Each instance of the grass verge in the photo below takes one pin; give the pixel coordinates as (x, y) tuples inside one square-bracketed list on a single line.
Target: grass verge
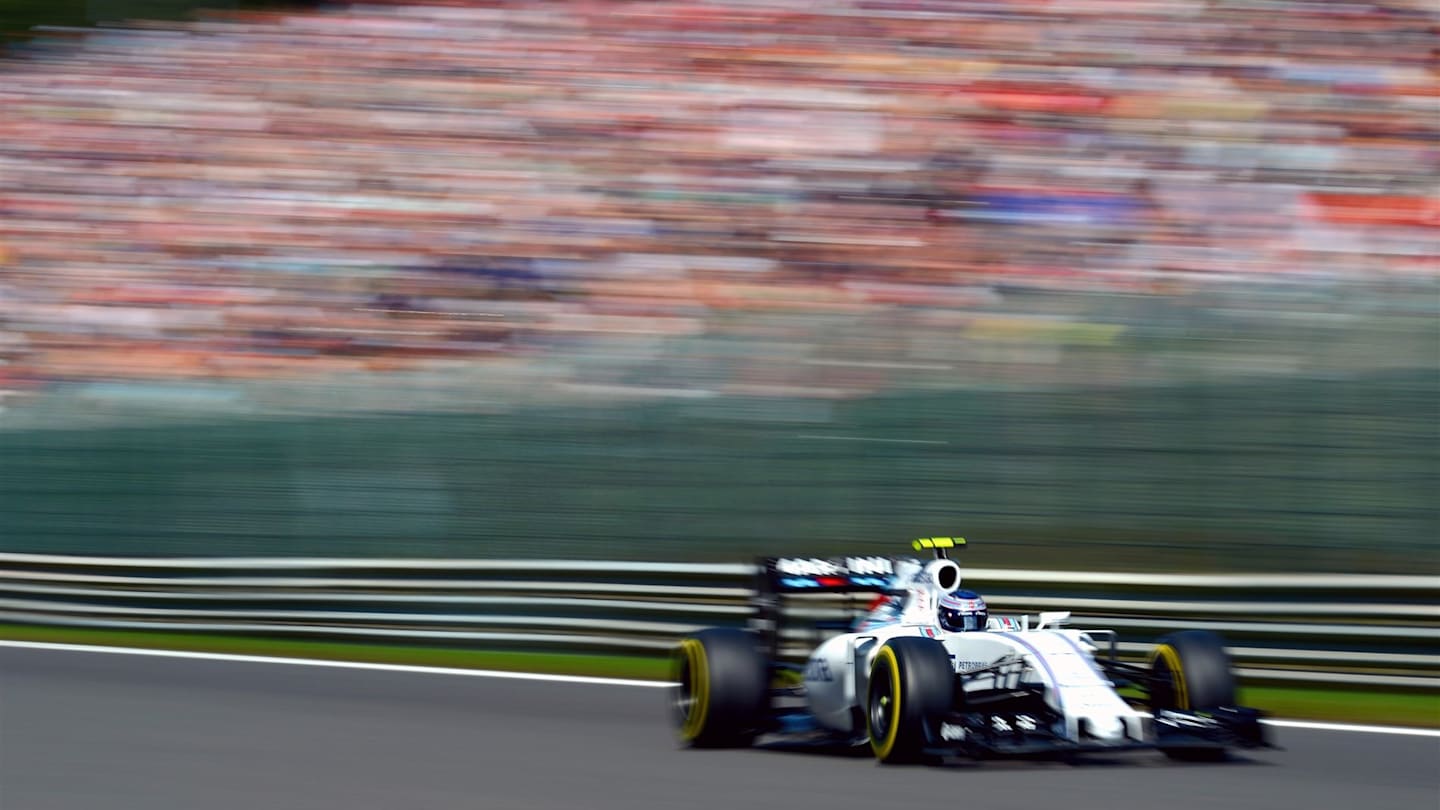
[(1417, 709), (644, 667), (1414, 709)]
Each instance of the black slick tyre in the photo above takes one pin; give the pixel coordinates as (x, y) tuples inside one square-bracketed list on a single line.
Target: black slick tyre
[(722, 689), (1191, 672), (911, 687)]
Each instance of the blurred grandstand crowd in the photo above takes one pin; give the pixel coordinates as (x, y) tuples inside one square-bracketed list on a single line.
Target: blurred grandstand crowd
[(397, 186)]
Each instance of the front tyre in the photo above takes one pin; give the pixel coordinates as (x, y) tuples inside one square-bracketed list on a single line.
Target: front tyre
[(911, 686), (722, 689), (1191, 672)]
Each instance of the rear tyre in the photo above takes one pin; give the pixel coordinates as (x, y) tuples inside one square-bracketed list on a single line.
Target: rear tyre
[(722, 689), (911, 687), (1191, 672)]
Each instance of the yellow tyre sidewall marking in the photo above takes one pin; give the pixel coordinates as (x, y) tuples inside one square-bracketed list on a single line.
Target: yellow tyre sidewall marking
[(1177, 674), (699, 689), (886, 658)]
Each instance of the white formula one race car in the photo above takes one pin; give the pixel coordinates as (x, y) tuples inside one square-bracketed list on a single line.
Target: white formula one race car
[(926, 673)]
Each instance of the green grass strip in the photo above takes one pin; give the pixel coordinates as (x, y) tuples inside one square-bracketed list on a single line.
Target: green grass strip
[(643, 667), (1414, 708), (1417, 708)]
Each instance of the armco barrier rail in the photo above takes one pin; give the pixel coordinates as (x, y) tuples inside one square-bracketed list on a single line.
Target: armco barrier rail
[(1354, 629)]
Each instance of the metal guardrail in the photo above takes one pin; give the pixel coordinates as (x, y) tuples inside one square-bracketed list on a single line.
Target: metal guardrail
[(1352, 629)]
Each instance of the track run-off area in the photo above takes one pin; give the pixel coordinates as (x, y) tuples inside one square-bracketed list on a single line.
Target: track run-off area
[(88, 728)]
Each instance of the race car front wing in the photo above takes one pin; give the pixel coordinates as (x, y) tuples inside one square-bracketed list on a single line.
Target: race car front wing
[(1018, 734), (1225, 727)]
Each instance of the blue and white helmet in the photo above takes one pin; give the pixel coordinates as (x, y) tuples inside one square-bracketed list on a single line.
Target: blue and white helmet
[(963, 611)]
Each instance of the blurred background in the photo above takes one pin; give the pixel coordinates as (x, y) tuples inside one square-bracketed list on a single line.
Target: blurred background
[(1120, 284)]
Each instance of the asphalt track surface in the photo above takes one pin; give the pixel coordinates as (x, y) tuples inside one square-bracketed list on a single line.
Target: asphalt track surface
[(85, 731)]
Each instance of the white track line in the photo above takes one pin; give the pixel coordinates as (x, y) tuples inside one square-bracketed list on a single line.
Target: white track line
[(312, 662), (1395, 730), (535, 676)]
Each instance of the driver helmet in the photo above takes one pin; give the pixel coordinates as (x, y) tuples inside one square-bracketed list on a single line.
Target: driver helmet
[(963, 611)]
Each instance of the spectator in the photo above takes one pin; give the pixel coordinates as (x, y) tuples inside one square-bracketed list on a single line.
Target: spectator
[(386, 186)]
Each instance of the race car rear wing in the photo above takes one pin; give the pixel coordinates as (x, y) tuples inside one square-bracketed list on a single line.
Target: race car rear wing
[(777, 576)]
